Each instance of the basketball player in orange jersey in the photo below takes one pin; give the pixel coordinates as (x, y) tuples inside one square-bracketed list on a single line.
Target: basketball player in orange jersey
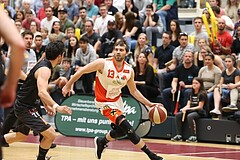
[(112, 75)]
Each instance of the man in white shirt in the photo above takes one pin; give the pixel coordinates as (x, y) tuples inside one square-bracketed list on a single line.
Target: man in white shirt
[(49, 19), (101, 22)]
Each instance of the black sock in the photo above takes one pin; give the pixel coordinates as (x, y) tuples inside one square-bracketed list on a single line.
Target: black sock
[(146, 150), (42, 153), (104, 140), (3, 140)]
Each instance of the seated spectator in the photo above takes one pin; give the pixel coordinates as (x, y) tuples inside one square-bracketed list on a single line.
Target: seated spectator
[(33, 29), (231, 9), (175, 31), (194, 110), (39, 49), (20, 15), (152, 24), (18, 25), (227, 89), (142, 47), (235, 48), (167, 11), (145, 79), (73, 45), (120, 22), (59, 79), (70, 31), (182, 81), (130, 7), (49, 19), (90, 33), (72, 11), (85, 54), (28, 19), (101, 22), (217, 59), (44, 33), (41, 13), (218, 4), (111, 9), (82, 19), (104, 45), (92, 9), (229, 25), (133, 29), (56, 5), (198, 57), (64, 21), (163, 55), (141, 5), (210, 74), (26, 4), (56, 30), (198, 33)]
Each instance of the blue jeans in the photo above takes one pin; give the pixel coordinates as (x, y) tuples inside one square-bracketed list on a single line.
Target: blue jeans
[(163, 15)]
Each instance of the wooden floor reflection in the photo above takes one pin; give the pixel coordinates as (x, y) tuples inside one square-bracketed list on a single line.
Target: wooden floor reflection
[(76, 148)]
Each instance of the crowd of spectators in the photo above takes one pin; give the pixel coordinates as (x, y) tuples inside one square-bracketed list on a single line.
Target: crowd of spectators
[(89, 29)]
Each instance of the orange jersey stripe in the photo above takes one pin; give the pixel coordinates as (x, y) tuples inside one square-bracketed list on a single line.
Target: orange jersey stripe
[(100, 93)]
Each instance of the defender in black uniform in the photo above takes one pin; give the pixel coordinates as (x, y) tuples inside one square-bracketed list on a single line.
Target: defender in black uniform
[(34, 87)]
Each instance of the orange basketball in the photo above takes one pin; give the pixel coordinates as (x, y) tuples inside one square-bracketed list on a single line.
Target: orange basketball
[(157, 114)]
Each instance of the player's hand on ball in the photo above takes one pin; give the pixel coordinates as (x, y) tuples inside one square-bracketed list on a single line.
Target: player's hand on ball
[(64, 109)]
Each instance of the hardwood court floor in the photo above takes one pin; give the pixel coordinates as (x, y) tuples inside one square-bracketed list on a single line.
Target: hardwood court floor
[(78, 148)]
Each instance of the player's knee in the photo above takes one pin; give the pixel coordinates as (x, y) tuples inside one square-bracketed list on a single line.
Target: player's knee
[(128, 129), (116, 132), (50, 134)]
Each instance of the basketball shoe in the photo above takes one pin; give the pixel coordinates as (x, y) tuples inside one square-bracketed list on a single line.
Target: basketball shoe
[(99, 147)]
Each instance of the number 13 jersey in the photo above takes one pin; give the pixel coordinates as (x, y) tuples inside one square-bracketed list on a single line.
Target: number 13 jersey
[(110, 82)]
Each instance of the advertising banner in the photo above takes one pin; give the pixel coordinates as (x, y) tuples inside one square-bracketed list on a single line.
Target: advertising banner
[(87, 121)]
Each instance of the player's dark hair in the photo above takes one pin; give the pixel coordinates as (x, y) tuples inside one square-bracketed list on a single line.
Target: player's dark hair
[(54, 49), (27, 32), (121, 42)]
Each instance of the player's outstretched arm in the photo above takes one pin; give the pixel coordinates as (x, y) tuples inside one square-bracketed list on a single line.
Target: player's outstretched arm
[(10, 34), (42, 75), (96, 65)]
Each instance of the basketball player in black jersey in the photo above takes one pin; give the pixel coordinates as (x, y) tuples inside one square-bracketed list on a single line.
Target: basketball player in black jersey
[(8, 90), (36, 86)]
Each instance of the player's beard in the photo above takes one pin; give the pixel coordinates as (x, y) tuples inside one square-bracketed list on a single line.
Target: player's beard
[(118, 57)]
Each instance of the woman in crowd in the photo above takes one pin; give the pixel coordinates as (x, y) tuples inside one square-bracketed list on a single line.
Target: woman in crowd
[(33, 29), (120, 22), (198, 57), (133, 29), (56, 30), (19, 15), (130, 7), (206, 50), (175, 31), (145, 79), (192, 111), (231, 9), (73, 45), (208, 16), (236, 43), (142, 47), (227, 88), (217, 3), (210, 75)]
